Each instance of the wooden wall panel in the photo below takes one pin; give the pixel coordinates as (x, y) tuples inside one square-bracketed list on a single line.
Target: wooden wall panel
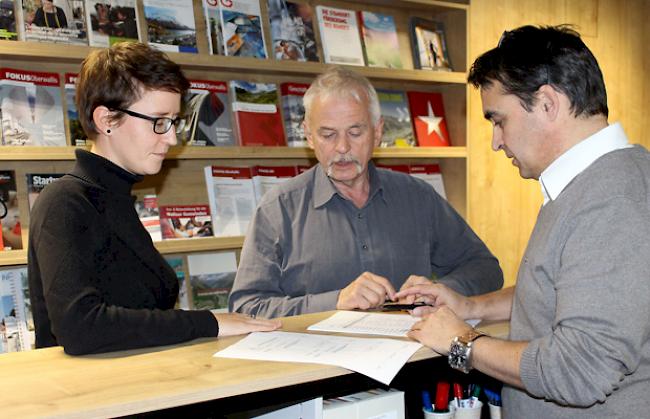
[(502, 206)]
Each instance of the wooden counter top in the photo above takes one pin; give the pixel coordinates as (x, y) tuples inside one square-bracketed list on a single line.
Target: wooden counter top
[(49, 383)]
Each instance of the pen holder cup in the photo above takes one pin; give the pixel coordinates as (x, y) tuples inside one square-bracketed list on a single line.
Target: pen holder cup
[(473, 412), (435, 415), (495, 411)]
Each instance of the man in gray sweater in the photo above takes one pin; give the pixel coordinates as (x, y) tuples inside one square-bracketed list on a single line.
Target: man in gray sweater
[(579, 343)]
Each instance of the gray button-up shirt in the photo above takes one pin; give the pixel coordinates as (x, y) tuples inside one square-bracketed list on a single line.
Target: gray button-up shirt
[(306, 242)]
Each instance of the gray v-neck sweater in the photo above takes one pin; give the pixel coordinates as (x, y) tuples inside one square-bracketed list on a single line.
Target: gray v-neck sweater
[(583, 297)]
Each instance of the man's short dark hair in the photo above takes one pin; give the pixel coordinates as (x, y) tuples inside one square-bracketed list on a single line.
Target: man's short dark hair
[(530, 57)]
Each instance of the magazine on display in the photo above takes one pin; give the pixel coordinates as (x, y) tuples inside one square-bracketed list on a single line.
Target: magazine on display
[(185, 221), (210, 115), (212, 14), (177, 263), (428, 115), (240, 29), (211, 279), (61, 21), (429, 45), (293, 112), (75, 132), (9, 214), (267, 177), (8, 29), (258, 119), (146, 206), (398, 129), (16, 322), (431, 174), (111, 21), (339, 32), (231, 194), (30, 103), (380, 43), (292, 31), (36, 182), (170, 25)]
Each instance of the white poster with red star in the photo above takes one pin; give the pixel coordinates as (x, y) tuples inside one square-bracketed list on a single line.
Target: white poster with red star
[(428, 116)]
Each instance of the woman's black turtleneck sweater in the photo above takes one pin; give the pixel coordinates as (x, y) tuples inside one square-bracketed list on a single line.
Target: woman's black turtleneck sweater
[(97, 283)]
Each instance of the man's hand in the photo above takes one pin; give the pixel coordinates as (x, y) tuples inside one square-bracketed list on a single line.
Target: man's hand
[(436, 295), (231, 324), (412, 281), (438, 329), (367, 291)]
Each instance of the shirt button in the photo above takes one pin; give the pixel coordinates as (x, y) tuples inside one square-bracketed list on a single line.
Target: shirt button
[(364, 247), (359, 216)]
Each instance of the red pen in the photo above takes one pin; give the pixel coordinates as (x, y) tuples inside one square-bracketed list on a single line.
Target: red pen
[(458, 393), (442, 397)]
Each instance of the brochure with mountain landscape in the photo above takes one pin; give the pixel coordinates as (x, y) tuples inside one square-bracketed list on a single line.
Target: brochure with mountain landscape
[(398, 129), (170, 25)]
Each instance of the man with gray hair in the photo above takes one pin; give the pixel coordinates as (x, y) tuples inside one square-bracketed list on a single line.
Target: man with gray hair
[(345, 234)]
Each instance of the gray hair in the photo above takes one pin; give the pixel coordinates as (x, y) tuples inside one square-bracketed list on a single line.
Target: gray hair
[(344, 83)]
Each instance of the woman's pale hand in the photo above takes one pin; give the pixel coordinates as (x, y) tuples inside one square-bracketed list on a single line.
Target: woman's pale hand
[(231, 324)]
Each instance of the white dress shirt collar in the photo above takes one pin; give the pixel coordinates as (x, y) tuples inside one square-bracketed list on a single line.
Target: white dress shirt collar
[(561, 172)]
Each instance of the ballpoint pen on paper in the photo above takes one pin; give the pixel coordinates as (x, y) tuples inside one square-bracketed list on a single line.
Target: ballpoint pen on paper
[(442, 397)]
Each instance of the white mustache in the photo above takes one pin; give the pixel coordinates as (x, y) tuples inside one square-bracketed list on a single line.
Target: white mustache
[(343, 159)]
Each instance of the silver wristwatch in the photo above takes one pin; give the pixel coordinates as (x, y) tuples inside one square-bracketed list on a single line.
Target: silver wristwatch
[(460, 352)]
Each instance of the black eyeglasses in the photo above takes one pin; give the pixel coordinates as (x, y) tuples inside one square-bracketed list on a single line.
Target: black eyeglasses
[(160, 124)]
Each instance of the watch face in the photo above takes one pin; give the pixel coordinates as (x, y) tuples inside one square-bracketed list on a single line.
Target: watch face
[(458, 356)]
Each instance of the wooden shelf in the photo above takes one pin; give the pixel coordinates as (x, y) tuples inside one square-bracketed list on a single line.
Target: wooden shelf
[(199, 244), (36, 53), (13, 257), (13, 153), (19, 257)]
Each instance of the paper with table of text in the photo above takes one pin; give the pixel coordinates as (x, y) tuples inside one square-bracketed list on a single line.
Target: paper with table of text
[(366, 323), (380, 359), (359, 322)]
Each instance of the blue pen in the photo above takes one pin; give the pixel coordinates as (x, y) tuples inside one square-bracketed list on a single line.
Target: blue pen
[(426, 401), (493, 397)]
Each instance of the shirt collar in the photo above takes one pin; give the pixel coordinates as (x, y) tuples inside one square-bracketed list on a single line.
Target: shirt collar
[(324, 188), (565, 168)]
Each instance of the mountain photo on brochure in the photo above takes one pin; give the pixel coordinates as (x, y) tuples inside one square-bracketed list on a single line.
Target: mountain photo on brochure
[(398, 129), (211, 278), (292, 31), (59, 21), (111, 21), (380, 41), (429, 45), (170, 25), (255, 106)]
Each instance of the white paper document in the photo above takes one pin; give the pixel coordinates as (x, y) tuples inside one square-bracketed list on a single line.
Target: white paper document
[(367, 323), (359, 322), (380, 359)]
